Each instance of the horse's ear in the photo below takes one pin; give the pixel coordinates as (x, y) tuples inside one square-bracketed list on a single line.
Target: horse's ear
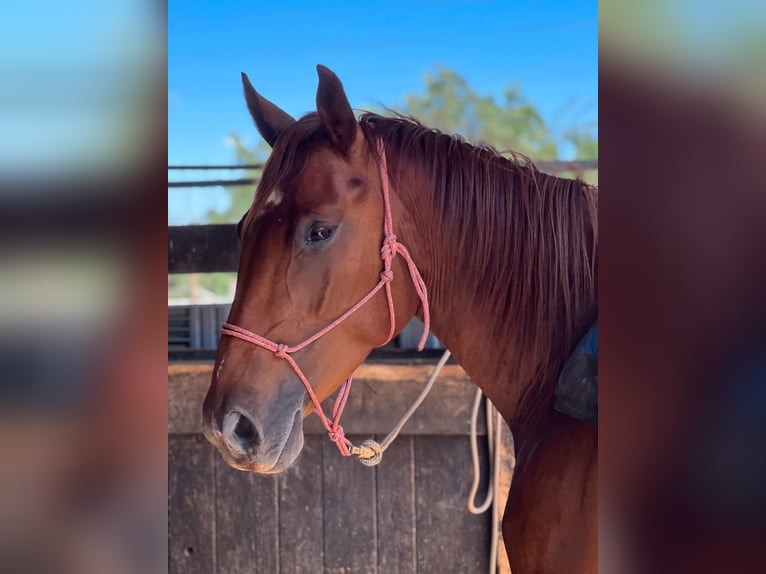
[(269, 119), (334, 110)]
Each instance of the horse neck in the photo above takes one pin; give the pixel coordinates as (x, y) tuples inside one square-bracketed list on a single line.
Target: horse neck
[(515, 348)]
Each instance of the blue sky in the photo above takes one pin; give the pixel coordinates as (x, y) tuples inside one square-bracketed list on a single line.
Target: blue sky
[(381, 52)]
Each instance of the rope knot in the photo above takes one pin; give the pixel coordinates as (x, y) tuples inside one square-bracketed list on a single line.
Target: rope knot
[(377, 453), (336, 434), (388, 250), (281, 351), (387, 276)]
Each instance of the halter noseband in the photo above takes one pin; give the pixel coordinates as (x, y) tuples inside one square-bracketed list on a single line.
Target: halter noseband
[(389, 249)]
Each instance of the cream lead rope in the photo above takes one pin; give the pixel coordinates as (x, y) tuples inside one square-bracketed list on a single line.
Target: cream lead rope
[(370, 452), (494, 437)]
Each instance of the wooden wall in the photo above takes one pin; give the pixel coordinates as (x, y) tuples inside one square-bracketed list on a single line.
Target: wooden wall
[(329, 514)]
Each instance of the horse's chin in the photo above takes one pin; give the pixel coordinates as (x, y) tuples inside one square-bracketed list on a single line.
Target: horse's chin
[(291, 448)]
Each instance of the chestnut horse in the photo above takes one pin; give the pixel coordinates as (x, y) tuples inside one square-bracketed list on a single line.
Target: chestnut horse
[(507, 256)]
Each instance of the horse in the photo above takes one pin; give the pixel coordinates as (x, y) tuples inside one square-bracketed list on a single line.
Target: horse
[(498, 258)]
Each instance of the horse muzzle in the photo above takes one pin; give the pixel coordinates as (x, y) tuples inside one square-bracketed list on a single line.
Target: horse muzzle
[(265, 445)]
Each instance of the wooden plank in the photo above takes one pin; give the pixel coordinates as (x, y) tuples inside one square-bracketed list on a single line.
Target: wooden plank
[(202, 248), (395, 477), (449, 538), (247, 522), (507, 464), (191, 526), (187, 388), (243, 181), (349, 513), (376, 405), (390, 354), (381, 394), (301, 536)]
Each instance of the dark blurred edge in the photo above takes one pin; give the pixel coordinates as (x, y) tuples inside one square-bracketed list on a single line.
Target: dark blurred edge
[(683, 325), (84, 486), (107, 207)]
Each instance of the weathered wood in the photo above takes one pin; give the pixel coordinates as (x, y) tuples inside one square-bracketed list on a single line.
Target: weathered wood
[(378, 401), (202, 248), (395, 478), (191, 523), (349, 513), (380, 395), (507, 464), (390, 355), (247, 521), (244, 181), (301, 530), (449, 539), (187, 387), (327, 513)]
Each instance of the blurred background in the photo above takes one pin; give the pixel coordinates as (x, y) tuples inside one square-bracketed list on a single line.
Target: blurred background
[(682, 217), (83, 395)]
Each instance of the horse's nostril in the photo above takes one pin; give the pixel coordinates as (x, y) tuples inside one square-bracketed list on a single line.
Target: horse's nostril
[(244, 431), (239, 432)]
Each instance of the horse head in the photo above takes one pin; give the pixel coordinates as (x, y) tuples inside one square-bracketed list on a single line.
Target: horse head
[(311, 248)]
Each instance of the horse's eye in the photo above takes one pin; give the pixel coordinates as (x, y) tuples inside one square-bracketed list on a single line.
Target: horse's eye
[(320, 232)]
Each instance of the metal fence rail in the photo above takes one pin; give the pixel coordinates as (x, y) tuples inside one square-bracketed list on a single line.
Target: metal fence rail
[(577, 166)]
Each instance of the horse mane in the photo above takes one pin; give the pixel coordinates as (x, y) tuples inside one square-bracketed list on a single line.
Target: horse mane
[(527, 239)]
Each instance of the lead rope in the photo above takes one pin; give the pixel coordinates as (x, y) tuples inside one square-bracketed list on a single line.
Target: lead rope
[(370, 452), (494, 437)]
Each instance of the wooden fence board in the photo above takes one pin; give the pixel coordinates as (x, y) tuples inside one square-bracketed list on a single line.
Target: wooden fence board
[(191, 524), (329, 514), (507, 464), (349, 513), (396, 508), (375, 406), (301, 538), (202, 248), (247, 521), (449, 539), (187, 388), (381, 394)]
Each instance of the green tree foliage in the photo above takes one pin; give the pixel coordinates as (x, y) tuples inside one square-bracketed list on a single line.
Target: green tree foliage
[(583, 141), (218, 283), (241, 196), (180, 284), (450, 105)]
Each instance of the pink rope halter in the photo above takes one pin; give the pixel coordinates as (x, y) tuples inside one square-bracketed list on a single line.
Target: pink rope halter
[(390, 249)]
